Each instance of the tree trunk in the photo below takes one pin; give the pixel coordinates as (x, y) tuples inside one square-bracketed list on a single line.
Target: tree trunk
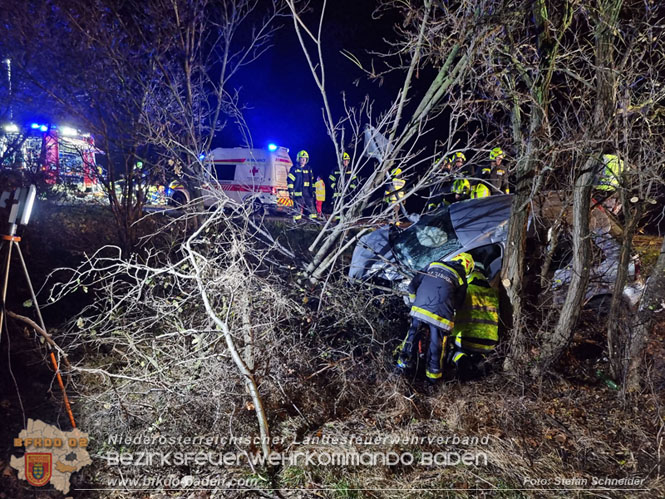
[(604, 110), (512, 276), (554, 344), (653, 298), (512, 271), (616, 345)]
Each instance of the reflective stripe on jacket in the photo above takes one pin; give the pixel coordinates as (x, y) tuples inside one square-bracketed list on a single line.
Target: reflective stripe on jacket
[(300, 181), (437, 292), (337, 180), (396, 186), (477, 321)]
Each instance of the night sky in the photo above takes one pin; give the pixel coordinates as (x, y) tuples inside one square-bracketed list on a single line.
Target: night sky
[(285, 104)]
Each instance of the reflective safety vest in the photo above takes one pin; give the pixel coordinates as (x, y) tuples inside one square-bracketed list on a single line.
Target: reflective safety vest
[(155, 195), (300, 181), (608, 179), (397, 184), (480, 190), (336, 182), (320, 190), (477, 322)]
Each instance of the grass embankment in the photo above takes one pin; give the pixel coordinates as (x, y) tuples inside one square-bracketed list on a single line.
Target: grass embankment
[(328, 389)]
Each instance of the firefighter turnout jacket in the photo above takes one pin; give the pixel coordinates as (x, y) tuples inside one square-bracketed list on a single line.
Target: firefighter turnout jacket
[(394, 189), (436, 293), (498, 178), (339, 180), (301, 181), (477, 321)]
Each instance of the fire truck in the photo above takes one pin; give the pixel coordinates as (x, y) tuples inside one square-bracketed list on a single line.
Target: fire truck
[(62, 154)]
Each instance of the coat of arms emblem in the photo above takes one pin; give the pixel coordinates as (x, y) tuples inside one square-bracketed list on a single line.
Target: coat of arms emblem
[(38, 468)]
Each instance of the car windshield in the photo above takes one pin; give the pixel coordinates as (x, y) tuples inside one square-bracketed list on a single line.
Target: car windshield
[(432, 238)]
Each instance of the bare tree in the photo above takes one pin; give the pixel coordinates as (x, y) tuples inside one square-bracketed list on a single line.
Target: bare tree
[(550, 73), (397, 135), (151, 81), (204, 317)]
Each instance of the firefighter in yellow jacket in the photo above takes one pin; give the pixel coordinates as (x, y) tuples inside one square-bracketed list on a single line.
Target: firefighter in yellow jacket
[(394, 192), (461, 186), (608, 181), (343, 184), (476, 329)]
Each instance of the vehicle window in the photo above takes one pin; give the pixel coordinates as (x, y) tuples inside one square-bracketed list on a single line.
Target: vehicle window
[(225, 172), (432, 238), (486, 255)]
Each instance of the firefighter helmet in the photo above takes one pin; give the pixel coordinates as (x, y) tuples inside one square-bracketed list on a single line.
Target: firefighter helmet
[(455, 156), (396, 171), (346, 157), (303, 154), (466, 260), (495, 153)]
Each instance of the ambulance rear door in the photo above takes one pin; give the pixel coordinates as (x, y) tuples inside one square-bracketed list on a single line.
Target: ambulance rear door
[(280, 165)]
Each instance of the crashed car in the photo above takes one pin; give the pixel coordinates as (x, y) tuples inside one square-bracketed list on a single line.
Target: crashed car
[(480, 227), (606, 250), (477, 226)]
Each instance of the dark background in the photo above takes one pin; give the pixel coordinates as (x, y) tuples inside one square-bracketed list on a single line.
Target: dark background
[(285, 105)]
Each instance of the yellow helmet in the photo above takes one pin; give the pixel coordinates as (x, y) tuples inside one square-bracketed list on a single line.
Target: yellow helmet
[(455, 156), (495, 153), (346, 157), (395, 172), (303, 154), (466, 260)]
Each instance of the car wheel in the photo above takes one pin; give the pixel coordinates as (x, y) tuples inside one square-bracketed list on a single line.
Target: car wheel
[(179, 198), (258, 208)]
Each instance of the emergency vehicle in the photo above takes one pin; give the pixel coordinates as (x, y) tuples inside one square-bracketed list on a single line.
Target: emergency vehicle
[(63, 154), (69, 156), (249, 176)]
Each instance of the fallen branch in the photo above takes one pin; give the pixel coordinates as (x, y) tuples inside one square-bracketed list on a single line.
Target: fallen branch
[(47, 337)]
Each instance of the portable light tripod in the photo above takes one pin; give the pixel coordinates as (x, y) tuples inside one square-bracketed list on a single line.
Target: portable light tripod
[(20, 205)]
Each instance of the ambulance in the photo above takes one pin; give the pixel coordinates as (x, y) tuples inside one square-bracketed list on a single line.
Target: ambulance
[(255, 177)]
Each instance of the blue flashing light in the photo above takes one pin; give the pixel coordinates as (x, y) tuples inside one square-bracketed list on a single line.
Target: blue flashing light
[(43, 128), (34, 126), (272, 147), (202, 156)]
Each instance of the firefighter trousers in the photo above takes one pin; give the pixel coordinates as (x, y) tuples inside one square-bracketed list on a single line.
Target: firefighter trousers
[(304, 204), (435, 353)]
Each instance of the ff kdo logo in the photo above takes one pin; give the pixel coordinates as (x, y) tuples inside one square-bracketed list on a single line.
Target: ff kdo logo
[(51, 455)]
